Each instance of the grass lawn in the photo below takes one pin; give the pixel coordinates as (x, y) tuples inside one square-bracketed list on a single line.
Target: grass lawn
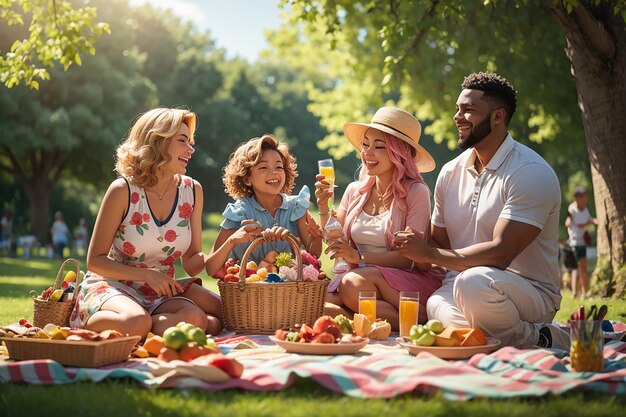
[(124, 397)]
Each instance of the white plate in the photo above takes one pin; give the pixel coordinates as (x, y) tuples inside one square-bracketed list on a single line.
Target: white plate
[(344, 348), (456, 352)]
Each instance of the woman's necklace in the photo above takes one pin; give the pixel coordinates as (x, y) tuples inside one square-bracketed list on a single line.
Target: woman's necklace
[(381, 206), (160, 196)]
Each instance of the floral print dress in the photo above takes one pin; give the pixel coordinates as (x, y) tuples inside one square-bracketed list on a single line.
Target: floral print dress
[(141, 241)]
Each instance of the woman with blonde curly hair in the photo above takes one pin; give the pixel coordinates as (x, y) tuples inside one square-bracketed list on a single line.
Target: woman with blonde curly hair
[(260, 175), (150, 217)]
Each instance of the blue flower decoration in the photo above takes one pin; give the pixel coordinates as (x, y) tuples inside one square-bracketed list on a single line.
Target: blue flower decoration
[(272, 277)]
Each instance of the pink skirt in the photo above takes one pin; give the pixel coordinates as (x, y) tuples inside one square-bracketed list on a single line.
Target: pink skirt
[(426, 282)]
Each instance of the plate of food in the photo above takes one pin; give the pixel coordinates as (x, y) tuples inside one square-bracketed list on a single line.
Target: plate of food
[(450, 352), (308, 348)]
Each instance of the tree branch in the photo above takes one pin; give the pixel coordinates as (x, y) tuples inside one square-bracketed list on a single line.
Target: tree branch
[(584, 25), (15, 167)]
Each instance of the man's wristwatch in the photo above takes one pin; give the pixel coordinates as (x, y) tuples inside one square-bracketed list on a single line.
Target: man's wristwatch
[(362, 263)]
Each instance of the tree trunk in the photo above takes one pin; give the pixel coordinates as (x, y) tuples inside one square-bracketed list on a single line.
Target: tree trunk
[(39, 191), (596, 48)]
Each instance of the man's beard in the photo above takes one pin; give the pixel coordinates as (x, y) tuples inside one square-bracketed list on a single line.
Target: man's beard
[(478, 133)]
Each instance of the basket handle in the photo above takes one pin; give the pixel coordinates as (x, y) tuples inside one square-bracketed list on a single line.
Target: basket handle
[(59, 280), (293, 243)]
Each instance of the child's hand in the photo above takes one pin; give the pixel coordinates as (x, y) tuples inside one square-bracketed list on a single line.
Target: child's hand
[(249, 230), (275, 233), (323, 192), (314, 229)]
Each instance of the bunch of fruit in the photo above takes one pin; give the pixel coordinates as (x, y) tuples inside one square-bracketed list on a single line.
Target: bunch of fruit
[(275, 267), (325, 330), (433, 333), (184, 341), (51, 331), (64, 293), (187, 342)]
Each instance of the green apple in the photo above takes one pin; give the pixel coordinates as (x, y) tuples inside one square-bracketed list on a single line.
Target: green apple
[(426, 339), (434, 326), (416, 332)]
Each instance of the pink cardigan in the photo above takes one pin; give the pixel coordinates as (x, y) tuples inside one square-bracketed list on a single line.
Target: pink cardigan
[(417, 215)]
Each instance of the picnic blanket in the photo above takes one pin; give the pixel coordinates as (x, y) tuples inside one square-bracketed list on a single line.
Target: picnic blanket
[(380, 370)]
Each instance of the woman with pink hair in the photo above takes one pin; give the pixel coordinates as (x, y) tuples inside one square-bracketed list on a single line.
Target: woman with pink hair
[(390, 196)]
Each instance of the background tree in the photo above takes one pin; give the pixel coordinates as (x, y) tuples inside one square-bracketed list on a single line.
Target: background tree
[(415, 54), (71, 124)]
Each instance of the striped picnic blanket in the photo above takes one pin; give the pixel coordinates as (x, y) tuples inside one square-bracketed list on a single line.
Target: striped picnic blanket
[(380, 370)]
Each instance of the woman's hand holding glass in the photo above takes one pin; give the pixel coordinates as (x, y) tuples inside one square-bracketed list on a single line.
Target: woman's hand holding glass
[(340, 248), (162, 283), (324, 191)]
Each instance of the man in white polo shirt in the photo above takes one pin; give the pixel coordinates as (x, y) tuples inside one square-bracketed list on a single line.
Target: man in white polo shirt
[(494, 226)]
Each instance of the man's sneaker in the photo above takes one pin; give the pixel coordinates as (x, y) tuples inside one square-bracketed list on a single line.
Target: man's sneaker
[(551, 336)]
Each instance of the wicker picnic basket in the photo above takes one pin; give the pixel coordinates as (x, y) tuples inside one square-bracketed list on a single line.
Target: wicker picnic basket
[(46, 311), (263, 308), (86, 354)]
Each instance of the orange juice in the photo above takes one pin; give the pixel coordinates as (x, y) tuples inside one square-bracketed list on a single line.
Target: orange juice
[(367, 307), (329, 173), (408, 315)]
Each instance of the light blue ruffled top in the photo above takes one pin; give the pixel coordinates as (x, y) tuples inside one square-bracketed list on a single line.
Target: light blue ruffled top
[(247, 208)]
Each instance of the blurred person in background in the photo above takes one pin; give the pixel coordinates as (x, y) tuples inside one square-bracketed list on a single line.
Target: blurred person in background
[(577, 221)]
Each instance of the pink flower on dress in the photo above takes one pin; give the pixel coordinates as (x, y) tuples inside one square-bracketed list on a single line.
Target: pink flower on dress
[(170, 235), (128, 248), (176, 255), (187, 181), (146, 217), (184, 211), (168, 261), (134, 197), (135, 219), (170, 271)]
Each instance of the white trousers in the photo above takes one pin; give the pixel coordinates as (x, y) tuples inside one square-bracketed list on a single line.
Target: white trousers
[(502, 304)]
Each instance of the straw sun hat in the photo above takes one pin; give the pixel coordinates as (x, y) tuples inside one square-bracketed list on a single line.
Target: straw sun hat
[(398, 123)]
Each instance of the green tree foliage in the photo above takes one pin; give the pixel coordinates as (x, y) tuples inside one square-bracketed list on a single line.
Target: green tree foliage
[(57, 32)]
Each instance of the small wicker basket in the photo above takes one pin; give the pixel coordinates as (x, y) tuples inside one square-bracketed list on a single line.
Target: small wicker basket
[(263, 308), (84, 354), (46, 311)]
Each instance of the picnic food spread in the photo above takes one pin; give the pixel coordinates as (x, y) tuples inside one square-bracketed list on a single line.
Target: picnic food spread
[(324, 330)]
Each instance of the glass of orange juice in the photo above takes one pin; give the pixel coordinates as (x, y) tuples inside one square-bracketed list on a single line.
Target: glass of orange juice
[(327, 169), (409, 311), (367, 304)]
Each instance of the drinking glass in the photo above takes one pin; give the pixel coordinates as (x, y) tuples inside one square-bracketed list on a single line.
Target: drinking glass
[(409, 311), (327, 169), (367, 304), (586, 352)]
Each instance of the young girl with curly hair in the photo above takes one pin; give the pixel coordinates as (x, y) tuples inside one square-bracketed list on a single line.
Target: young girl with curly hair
[(260, 175), (149, 218)]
